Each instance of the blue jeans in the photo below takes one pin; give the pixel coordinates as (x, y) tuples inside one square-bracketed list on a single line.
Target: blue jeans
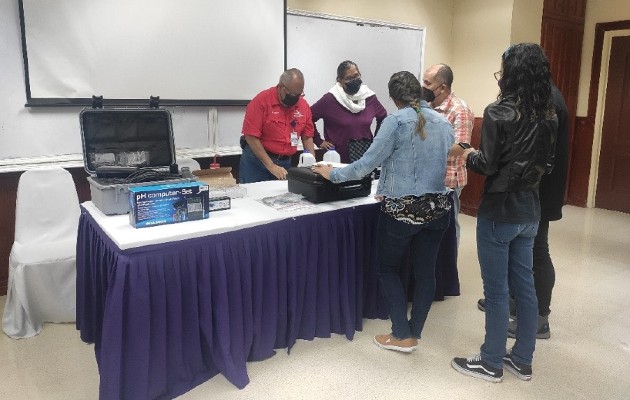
[(251, 169), (505, 252), (393, 239)]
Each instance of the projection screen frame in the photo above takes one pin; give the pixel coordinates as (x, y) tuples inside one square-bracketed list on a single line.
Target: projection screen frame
[(123, 102)]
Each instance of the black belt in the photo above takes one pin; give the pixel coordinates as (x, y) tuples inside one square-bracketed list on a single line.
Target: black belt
[(270, 154), (278, 156)]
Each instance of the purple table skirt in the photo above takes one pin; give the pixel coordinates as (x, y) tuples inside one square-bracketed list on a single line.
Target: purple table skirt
[(165, 318)]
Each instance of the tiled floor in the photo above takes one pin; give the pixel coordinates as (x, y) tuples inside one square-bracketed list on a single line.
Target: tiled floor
[(587, 357)]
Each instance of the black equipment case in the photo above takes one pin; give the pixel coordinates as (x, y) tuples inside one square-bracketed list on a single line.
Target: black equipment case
[(316, 189), (123, 147)]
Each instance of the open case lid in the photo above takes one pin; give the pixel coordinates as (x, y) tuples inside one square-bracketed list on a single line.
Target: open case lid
[(127, 138)]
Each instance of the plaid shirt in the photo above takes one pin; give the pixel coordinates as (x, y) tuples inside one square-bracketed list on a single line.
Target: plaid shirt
[(461, 117)]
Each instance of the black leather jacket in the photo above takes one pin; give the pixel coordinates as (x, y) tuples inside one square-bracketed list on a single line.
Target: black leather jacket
[(514, 152)]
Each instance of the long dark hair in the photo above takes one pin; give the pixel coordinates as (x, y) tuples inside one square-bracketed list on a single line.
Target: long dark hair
[(525, 76), (405, 88)]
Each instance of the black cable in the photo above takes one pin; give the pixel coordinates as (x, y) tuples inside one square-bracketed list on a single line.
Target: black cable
[(149, 175)]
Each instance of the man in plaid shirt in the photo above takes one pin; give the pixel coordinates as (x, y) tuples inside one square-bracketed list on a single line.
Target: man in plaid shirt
[(438, 79)]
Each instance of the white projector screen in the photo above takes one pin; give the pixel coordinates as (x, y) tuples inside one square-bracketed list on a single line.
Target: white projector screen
[(188, 52)]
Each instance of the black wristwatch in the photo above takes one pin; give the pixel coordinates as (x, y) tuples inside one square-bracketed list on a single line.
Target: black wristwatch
[(464, 145)]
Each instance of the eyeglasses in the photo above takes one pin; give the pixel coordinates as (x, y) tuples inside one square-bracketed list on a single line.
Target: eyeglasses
[(351, 78), (291, 94), (497, 75)]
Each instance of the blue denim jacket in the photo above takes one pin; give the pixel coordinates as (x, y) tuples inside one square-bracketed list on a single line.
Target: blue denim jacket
[(410, 165)]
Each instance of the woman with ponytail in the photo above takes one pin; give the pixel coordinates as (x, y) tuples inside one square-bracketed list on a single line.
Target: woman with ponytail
[(411, 147)]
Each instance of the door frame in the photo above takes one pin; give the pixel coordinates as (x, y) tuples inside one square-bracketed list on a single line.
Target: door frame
[(599, 112)]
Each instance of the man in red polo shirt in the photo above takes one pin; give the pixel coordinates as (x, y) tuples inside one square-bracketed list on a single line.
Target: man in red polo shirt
[(274, 122)]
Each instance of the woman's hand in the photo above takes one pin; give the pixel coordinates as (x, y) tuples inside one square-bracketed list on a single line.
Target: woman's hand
[(323, 170), (326, 145)]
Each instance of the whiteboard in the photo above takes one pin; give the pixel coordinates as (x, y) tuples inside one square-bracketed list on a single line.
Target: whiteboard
[(318, 43)]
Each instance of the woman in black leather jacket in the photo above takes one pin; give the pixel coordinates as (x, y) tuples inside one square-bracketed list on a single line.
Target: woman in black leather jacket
[(516, 149)]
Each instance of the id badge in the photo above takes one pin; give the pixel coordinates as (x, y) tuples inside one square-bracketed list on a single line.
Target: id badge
[(294, 139)]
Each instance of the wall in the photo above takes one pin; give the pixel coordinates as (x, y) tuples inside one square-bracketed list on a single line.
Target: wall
[(526, 21), (477, 51), (597, 11)]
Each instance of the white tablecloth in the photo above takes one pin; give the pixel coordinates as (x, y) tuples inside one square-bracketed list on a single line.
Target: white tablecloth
[(245, 212)]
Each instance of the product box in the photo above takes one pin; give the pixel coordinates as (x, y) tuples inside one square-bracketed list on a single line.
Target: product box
[(167, 204), (218, 200)]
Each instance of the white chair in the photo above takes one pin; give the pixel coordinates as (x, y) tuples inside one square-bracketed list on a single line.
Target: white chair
[(42, 263), (188, 162)]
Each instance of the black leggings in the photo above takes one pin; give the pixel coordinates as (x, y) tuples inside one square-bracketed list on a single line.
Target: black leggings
[(544, 273)]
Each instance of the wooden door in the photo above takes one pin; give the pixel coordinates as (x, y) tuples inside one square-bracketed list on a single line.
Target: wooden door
[(613, 186)]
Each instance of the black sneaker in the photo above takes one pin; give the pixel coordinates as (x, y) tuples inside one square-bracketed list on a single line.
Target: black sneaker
[(474, 366), (481, 305), (522, 371), (542, 332)]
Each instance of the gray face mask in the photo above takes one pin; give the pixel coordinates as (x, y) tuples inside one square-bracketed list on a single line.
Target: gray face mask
[(353, 86)]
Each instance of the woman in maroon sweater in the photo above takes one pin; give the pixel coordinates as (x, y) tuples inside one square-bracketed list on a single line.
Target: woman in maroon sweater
[(348, 110)]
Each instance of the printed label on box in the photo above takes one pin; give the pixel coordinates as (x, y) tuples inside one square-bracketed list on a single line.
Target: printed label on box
[(168, 203)]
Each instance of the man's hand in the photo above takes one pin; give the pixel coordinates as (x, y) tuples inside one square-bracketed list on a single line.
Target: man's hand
[(467, 152), (278, 171), (456, 150)]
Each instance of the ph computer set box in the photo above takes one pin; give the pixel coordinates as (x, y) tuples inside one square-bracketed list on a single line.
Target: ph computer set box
[(168, 203)]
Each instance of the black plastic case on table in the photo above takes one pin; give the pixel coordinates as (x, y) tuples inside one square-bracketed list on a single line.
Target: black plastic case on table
[(316, 189)]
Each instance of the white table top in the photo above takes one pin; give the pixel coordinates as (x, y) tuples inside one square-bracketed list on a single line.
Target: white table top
[(244, 213)]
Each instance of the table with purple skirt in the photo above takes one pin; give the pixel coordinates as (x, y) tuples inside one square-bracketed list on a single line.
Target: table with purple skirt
[(169, 307)]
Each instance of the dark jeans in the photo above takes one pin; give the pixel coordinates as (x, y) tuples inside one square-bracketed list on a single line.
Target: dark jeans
[(544, 273), (394, 237), (252, 170)]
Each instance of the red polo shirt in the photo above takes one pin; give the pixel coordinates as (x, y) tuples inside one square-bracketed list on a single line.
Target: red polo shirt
[(271, 122)]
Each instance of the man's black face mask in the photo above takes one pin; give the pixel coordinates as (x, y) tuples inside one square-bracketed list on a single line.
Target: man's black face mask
[(427, 95), (290, 100)]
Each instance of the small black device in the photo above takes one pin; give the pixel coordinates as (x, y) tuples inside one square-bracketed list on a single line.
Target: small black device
[(464, 145)]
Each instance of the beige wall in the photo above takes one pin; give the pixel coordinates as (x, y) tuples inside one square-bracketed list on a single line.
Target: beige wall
[(481, 32), (597, 11), (526, 21)]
